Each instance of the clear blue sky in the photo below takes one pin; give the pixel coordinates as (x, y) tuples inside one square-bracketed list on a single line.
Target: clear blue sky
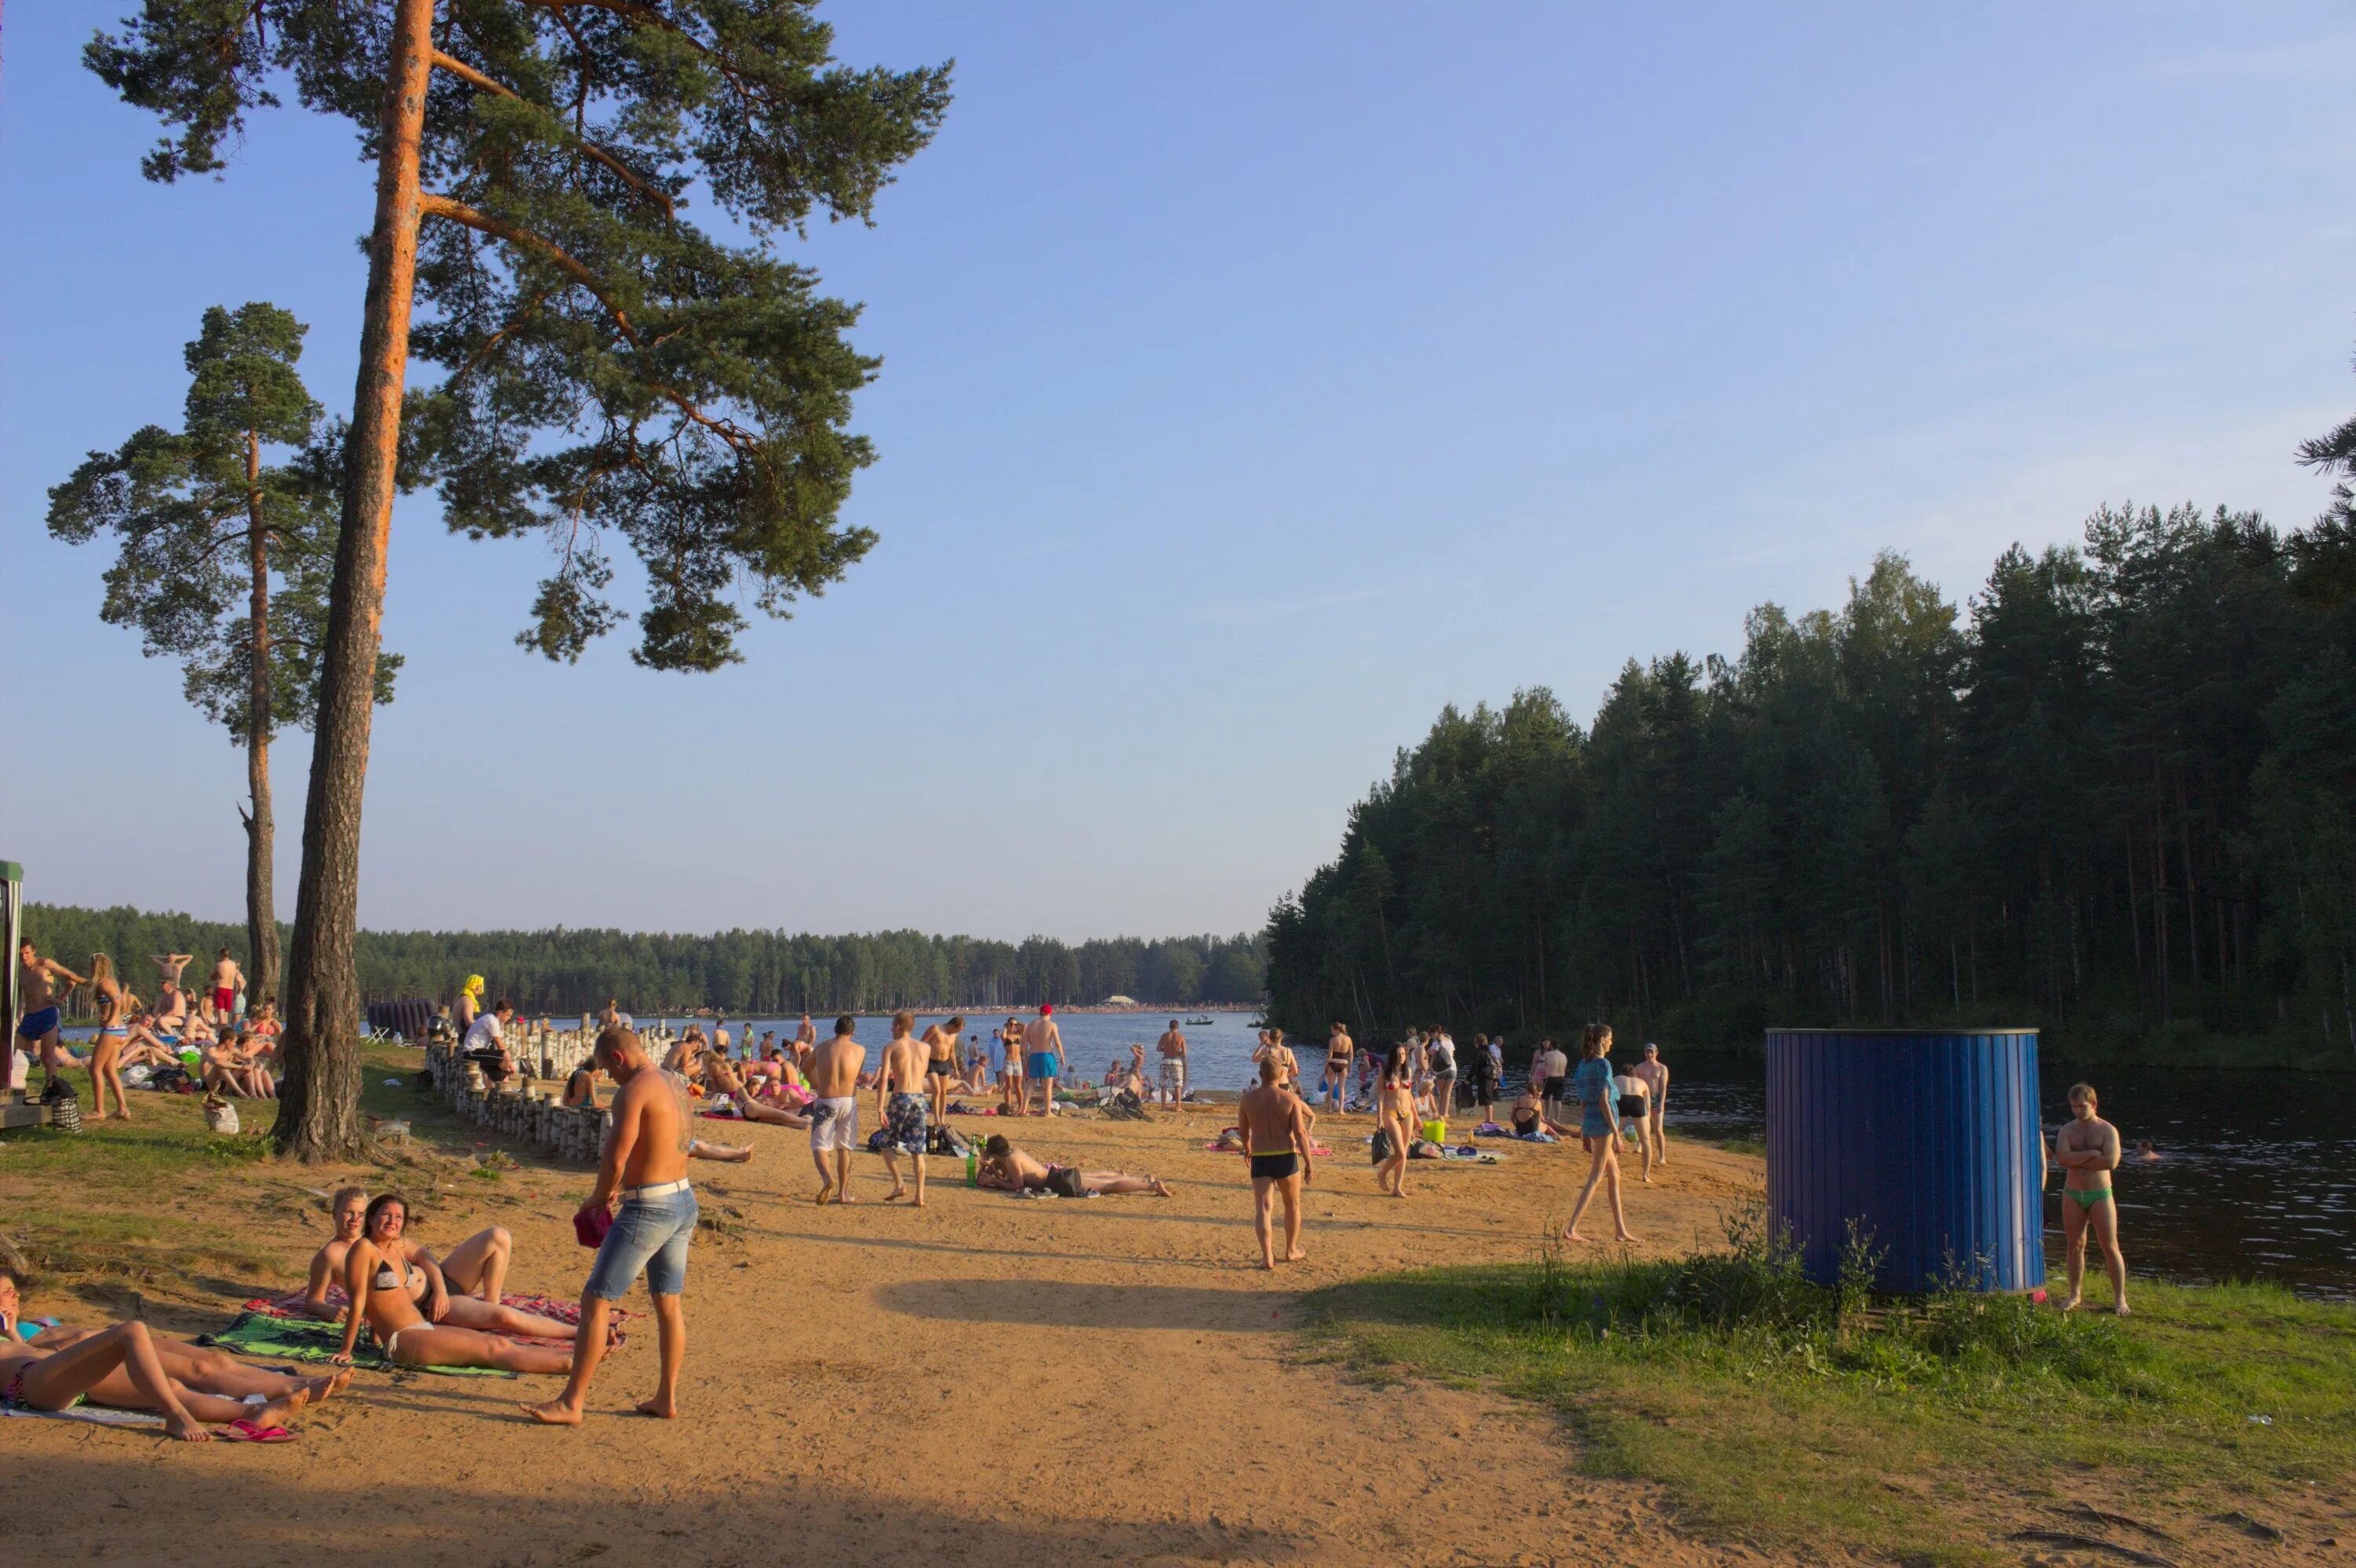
[(1258, 378)]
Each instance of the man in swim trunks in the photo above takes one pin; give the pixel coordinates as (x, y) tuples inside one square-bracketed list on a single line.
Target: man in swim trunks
[(1043, 1061), (834, 1108), (644, 1160), (1333, 1083), (227, 979), (900, 1106), (1656, 1076), (1276, 1143), (2087, 1150), (38, 1028), (1172, 1047), (1550, 1072), (1008, 1168), (940, 1044)]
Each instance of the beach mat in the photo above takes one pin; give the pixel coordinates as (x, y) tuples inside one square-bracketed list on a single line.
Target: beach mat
[(94, 1414), (294, 1339), (291, 1308)]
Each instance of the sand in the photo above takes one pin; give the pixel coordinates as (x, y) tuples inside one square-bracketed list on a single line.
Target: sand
[(986, 1381)]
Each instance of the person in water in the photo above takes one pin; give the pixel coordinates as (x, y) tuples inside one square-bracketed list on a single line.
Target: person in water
[(1005, 1167), (2087, 1150), (1277, 1143), (382, 1292), (1590, 1085)]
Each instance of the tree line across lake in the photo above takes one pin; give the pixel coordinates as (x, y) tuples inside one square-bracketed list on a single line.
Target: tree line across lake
[(2110, 798), (741, 972)]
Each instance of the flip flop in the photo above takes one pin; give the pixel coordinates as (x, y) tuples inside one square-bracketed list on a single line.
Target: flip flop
[(247, 1432)]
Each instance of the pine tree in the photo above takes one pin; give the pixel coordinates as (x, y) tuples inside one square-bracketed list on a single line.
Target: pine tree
[(610, 366)]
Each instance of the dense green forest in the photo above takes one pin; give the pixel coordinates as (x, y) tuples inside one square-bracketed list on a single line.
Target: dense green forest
[(2110, 798), (741, 972)]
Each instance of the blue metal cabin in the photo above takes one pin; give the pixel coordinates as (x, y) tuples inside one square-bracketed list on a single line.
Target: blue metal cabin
[(1929, 1142)]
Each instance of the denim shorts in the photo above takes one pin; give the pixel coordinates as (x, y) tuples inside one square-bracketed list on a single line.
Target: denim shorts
[(649, 1234)]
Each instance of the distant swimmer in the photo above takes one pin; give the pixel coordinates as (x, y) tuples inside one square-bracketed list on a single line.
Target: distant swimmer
[(2087, 1150), (1656, 1076), (1275, 1142), (900, 1106), (2145, 1151), (834, 1108)]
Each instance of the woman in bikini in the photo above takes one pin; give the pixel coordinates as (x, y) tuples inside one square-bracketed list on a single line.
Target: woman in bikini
[(382, 1271), (1395, 1115), (118, 1367), (198, 1369), (114, 1010), (941, 1074), (1017, 1096)]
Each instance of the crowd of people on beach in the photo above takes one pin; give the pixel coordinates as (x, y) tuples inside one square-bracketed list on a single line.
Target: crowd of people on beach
[(371, 1278)]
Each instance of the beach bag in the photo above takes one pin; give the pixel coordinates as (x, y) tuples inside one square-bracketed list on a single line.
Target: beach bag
[(1380, 1149), (65, 1105), (220, 1115)]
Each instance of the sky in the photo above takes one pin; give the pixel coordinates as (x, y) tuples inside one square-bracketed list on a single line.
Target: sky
[(1257, 379)]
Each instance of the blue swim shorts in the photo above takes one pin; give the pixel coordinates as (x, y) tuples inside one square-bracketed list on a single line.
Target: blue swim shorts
[(1042, 1064), (650, 1233), (36, 1024)]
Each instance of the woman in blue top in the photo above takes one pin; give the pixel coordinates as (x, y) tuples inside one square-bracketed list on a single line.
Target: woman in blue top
[(1598, 1126)]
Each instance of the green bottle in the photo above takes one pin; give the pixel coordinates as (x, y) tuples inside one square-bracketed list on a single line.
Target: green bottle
[(972, 1165)]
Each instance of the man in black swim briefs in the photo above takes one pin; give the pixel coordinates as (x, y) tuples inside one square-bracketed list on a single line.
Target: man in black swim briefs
[(1275, 1140)]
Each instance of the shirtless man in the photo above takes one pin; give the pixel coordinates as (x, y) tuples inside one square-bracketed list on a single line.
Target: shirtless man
[(1276, 1141), (1008, 1168), (1654, 1075), (900, 1106), (1042, 1046), (644, 1159), (1333, 1083), (1172, 1047), (720, 1036), (38, 1027), (942, 1066), (227, 979), (2087, 1150), (834, 1110), (805, 1043)]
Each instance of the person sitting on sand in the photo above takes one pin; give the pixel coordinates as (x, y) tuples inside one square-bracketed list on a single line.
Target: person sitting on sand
[(1005, 1168), (460, 1290), (118, 1367), (720, 1077), (379, 1281), (197, 1368), (1531, 1121)]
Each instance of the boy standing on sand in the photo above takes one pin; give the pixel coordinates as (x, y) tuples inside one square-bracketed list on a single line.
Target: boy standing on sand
[(834, 1108), (900, 1106), (1275, 1142), (2087, 1150), (1172, 1047), (644, 1159), (1654, 1075), (1043, 1059)]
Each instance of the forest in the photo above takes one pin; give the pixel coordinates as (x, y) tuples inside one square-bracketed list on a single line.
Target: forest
[(2108, 798), (742, 972)]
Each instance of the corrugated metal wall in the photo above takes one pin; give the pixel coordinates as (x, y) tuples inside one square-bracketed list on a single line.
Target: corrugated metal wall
[(1931, 1143)]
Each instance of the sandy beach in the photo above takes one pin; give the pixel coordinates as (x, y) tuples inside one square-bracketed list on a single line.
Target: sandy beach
[(989, 1381)]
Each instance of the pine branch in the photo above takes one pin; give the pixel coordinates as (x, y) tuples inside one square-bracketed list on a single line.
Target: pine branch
[(636, 181), (432, 205)]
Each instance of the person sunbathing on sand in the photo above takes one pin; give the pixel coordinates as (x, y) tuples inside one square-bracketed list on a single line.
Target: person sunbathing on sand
[(196, 1366), (721, 1078), (1007, 1168), (380, 1269), (471, 1278), (118, 1367)]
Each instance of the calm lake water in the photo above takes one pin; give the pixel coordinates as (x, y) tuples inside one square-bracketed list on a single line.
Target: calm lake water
[(2256, 1176)]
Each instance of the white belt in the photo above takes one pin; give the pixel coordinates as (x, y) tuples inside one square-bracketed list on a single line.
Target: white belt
[(660, 1190)]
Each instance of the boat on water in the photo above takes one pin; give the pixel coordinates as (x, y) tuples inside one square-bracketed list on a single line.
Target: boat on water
[(1200, 1023)]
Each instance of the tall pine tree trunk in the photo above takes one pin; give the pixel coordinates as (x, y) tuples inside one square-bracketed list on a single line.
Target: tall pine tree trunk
[(318, 1107), (260, 826)]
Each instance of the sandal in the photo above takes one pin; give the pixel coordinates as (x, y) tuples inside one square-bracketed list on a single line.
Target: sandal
[(247, 1432)]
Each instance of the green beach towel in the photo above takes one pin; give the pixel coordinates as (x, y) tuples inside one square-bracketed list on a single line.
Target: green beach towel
[(290, 1339)]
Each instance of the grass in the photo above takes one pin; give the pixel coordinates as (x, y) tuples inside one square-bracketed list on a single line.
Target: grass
[(1790, 1413)]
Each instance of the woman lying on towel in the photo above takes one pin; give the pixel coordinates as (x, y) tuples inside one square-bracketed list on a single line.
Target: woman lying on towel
[(382, 1272), (468, 1281), (125, 1367)]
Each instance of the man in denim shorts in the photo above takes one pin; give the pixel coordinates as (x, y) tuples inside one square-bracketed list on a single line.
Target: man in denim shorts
[(646, 1161)]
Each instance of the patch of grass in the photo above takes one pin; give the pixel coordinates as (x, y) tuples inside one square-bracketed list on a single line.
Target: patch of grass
[(1755, 1147), (1791, 1412)]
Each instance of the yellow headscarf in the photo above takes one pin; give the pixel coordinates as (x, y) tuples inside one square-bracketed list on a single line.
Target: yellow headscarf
[(474, 984)]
